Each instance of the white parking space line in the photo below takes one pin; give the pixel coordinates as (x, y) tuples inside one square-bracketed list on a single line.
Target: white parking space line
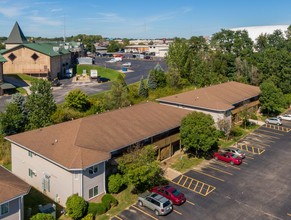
[(222, 171), (191, 203), (144, 212), (271, 132), (179, 213)]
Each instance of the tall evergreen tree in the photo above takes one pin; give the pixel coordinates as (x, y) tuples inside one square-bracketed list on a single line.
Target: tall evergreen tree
[(152, 81), (143, 90)]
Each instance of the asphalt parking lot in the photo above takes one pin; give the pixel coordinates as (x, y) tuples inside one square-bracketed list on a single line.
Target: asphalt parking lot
[(259, 188), (138, 69)]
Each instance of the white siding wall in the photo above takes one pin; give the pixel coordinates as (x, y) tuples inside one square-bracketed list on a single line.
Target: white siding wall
[(62, 182), (92, 180)]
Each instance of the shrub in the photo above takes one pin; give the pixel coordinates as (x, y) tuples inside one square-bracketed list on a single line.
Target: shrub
[(76, 206), (109, 201), (92, 208), (77, 100), (101, 209), (88, 217), (236, 132), (42, 216), (115, 182)]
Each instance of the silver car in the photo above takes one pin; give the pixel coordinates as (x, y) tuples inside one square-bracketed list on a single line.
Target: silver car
[(274, 121), (159, 204), (235, 151)]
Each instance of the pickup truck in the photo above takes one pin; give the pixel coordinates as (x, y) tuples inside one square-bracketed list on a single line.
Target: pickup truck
[(159, 204)]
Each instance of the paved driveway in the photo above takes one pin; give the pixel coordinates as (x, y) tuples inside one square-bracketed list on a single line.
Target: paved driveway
[(257, 189)]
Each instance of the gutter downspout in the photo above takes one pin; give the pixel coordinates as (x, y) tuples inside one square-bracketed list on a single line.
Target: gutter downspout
[(104, 177)]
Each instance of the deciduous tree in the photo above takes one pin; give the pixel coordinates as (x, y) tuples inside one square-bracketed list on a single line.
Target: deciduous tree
[(78, 100), (198, 132), (140, 167), (40, 105), (271, 98)]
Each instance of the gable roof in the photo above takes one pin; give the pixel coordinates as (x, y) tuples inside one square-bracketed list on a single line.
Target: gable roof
[(221, 97), (16, 36), (44, 48), (81, 143), (11, 186)]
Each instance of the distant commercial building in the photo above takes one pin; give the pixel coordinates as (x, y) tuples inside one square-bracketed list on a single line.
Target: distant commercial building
[(160, 50), (36, 59), (255, 31)]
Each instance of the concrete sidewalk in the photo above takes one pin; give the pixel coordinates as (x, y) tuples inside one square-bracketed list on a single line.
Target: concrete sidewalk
[(171, 174)]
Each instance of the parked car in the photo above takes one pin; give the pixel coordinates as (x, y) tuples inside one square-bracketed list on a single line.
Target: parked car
[(176, 197), (127, 64), (158, 203), (235, 151), (286, 117), (275, 121), (228, 157)]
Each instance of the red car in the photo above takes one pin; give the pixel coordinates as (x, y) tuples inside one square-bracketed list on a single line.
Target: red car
[(228, 157), (170, 193)]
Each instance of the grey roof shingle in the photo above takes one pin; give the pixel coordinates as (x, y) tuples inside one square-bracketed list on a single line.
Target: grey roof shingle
[(16, 36)]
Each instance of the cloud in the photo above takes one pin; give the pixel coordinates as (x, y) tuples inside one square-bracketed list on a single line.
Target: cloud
[(45, 21), (186, 9), (12, 11), (108, 18), (56, 9)]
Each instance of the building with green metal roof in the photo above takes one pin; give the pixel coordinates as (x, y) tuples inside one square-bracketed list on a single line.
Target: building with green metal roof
[(37, 59)]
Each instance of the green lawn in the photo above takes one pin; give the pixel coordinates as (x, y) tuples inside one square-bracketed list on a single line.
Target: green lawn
[(125, 199), (185, 162), (103, 72), (24, 77)]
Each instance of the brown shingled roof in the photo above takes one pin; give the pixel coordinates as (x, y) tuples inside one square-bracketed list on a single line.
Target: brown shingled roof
[(86, 141), (219, 97), (11, 186)]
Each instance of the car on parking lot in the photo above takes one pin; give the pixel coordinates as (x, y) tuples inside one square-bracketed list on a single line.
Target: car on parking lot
[(127, 64), (286, 117), (227, 157), (156, 202), (235, 151), (176, 197), (274, 121)]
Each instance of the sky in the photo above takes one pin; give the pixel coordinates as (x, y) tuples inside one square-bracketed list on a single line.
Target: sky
[(147, 19)]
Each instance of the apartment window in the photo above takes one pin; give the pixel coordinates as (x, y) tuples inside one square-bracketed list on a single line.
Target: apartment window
[(93, 169), (4, 209), (46, 183), (30, 153), (30, 172), (93, 192)]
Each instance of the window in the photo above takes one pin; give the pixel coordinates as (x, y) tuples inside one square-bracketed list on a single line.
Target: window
[(4, 209), (34, 56), (30, 153), (12, 57), (46, 183), (93, 169), (30, 172), (93, 192)]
